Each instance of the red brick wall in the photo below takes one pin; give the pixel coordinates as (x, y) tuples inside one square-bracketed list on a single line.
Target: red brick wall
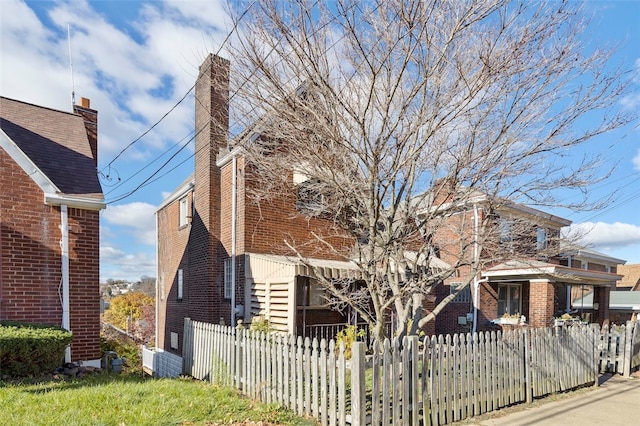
[(541, 303), (172, 251), (31, 261), (268, 225)]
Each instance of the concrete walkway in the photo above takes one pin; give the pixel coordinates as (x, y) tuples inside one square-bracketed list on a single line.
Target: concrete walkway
[(615, 402)]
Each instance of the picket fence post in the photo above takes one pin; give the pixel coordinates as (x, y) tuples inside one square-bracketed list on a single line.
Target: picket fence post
[(358, 407)]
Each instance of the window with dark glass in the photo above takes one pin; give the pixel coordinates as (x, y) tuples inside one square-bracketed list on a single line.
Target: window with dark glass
[(509, 299)]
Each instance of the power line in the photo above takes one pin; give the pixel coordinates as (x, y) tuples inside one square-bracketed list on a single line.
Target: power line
[(149, 164), (148, 180), (122, 197), (235, 26), (150, 128)]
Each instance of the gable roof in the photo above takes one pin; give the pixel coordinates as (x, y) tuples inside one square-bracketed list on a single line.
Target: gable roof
[(52, 147), (631, 279)]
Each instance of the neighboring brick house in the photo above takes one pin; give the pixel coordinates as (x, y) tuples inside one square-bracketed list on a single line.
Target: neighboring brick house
[(217, 249), (624, 304), (539, 281), (50, 199)]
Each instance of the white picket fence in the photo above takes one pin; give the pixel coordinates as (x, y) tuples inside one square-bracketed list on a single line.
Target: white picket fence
[(438, 381), (619, 348)]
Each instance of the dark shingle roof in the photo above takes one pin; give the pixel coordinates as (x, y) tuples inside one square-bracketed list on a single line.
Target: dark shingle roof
[(56, 142)]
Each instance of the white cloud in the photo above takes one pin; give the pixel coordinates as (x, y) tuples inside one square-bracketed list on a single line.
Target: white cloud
[(117, 264), (636, 161), (133, 75), (137, 216), (607, 235)]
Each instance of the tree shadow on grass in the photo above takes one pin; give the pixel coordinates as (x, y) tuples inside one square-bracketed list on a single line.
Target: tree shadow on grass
[(48, 383)]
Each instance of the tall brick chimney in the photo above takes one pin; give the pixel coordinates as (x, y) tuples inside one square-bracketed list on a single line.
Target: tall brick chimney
[(91, 125), (212, 128)]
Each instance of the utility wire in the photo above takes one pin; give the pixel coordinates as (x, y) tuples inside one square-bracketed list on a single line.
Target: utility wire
[(122, 197), (148, 180), (150, 128), (148, 164), (228, 36)]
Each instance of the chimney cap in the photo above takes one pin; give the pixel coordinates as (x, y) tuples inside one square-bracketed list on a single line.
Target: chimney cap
[(85, 103)]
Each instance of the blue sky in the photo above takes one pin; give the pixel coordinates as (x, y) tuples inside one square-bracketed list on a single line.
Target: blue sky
[(135, 60)]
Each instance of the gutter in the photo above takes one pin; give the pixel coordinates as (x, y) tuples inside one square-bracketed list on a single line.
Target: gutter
[(77, 202)]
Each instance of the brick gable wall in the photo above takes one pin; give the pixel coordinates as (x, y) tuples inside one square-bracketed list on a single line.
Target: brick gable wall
[(31, 261)]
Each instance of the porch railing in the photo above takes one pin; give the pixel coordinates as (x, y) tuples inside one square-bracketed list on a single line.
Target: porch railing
[(329, 331)]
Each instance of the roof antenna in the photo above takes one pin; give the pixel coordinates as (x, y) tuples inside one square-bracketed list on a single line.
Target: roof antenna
[(73, 85)]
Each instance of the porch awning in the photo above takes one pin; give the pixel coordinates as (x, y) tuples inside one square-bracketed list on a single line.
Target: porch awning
[(259, 266), (514, 270), (269, 265)]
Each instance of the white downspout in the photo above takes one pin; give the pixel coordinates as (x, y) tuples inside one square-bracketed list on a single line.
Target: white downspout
[(64, 244), (158, 290), (476, 281), (234, 166), (568, 287)]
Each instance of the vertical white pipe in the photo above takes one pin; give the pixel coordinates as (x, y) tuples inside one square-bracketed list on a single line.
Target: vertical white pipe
[(568, 307), (158, 290), (234, 166), (476, 284), (66, 322)]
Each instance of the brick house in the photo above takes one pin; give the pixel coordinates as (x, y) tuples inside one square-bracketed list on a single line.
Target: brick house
[(218, 250), (222, 258), (50, 199), (538, 282)]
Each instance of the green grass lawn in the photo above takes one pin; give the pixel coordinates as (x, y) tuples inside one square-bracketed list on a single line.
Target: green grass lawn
[(103, 399)]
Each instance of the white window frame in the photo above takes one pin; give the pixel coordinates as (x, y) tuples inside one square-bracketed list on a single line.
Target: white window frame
[(542, 238), (180, 284), (227, 278), (184, 211), (508, 309), (505, 229)]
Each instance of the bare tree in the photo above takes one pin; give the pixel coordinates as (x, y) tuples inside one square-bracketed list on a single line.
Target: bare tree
[(387, 116)]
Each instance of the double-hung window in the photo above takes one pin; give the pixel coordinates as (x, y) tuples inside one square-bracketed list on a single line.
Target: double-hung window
[(509, 299), (180, 284), (184, 212), (541, 239)]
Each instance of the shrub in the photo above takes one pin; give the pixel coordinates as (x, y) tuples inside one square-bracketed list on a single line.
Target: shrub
[(31, 349), (348, 335), (260, 324)]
